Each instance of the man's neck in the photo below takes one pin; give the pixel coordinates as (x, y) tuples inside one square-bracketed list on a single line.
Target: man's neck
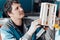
[(17, 22)]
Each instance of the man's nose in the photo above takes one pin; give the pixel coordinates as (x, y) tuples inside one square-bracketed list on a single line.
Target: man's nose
[(21, 9)]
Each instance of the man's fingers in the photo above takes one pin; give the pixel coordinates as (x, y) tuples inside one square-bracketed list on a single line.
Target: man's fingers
[(36, 22)]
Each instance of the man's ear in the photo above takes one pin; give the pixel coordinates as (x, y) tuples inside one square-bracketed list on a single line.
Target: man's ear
[(9, 14)]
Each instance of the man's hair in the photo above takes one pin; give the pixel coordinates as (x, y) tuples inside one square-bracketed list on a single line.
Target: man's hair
[(7, 6)]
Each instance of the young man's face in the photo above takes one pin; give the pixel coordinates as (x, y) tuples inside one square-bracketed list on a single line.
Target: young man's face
[(17, 11)]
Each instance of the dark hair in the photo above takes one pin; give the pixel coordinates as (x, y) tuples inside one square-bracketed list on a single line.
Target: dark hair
[(7, 6)]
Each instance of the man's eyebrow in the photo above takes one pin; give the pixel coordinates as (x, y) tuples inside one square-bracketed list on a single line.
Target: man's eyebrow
[(19, 4)]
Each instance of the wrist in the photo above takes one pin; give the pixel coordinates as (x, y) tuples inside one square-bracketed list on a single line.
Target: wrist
[(30, 33)]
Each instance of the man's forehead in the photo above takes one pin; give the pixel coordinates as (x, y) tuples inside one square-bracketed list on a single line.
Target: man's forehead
[(14, 5)]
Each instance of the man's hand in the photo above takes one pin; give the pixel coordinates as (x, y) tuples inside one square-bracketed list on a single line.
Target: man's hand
[(34, 25)]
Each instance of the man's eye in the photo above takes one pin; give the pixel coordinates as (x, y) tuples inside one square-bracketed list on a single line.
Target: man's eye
[(16, 8)]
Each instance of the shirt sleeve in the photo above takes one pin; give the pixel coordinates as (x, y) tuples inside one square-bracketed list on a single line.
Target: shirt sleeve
[(8, 36), (26, 37)]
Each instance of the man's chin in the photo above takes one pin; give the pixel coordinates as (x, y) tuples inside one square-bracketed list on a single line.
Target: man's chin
[(21, 17)]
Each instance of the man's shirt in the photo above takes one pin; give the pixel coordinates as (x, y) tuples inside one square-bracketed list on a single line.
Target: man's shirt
[(9, 31)]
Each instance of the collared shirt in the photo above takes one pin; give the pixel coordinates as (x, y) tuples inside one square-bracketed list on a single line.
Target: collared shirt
[(10, 32)]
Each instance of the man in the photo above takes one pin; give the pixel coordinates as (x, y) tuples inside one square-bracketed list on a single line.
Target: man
[(16, 28)]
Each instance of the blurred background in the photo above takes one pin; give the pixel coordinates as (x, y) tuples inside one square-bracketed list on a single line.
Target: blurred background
[(31, 7)]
